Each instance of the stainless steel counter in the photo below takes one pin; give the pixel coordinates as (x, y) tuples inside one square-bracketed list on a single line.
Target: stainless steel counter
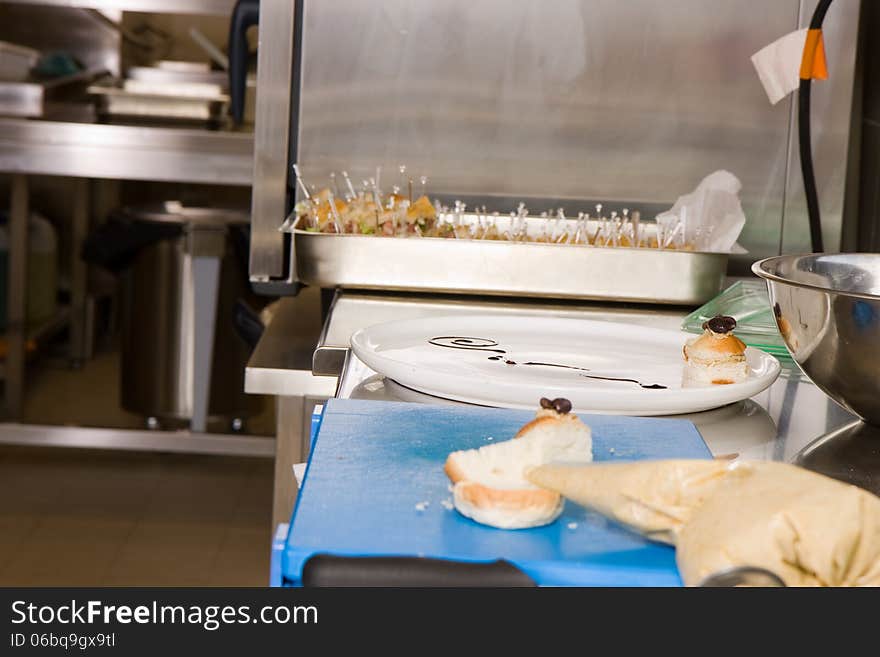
[(203, 7), (777, 424)]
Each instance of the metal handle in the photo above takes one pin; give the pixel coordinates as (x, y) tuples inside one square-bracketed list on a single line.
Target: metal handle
[(743, 576)]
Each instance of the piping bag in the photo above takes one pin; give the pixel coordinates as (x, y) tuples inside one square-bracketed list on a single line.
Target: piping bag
[(808, 529)]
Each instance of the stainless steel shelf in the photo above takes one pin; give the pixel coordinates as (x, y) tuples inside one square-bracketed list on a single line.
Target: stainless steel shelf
[(181, 442), (87, 150), (202, 7)]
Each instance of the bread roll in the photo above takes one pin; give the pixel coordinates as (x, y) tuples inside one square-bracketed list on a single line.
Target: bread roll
[(809, 529), (489, 482), (717, 357)]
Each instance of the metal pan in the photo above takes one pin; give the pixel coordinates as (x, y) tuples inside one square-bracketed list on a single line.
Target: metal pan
[(436, 265)]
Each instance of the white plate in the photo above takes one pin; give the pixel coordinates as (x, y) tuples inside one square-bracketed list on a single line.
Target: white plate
[(513, 361)]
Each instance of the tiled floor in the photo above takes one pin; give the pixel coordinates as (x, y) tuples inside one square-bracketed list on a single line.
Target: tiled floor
[(90, 397), (80, 517), (73, 517)]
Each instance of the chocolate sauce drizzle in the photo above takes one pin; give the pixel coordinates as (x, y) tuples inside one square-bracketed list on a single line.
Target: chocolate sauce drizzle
[(487, 344), (470, 344)]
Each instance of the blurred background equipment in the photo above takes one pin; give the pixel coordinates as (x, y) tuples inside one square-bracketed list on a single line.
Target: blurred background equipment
[(184, 271)]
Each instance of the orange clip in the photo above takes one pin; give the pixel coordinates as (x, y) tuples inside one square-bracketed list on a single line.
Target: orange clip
[(814, 65)]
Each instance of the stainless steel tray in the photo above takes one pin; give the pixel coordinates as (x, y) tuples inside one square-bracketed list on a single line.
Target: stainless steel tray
[(482, 267), (33, 98), (114, 102)]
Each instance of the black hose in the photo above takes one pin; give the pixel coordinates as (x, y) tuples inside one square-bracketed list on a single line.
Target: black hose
[(805, 143)]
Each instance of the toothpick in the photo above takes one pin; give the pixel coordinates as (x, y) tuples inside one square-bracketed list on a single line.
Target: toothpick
[(348, 183), (337, 220), (377, 196), (334, 184), (301, 182)]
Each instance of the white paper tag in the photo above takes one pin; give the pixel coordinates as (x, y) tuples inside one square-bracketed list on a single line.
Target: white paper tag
[(779, 65), (299, 472)]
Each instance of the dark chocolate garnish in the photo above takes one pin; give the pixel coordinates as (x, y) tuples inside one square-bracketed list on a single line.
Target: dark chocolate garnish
[(466, 343), (562, 405), (546, 403), (721, 324)]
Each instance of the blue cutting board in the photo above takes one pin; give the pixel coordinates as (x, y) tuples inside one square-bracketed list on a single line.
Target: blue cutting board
[(375, 464)]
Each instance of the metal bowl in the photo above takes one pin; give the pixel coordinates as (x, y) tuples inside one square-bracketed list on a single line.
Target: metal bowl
[(827, 308)]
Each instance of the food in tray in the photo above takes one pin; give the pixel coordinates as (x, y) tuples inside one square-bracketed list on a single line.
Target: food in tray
[(370, 211), (717, 357), (325, 213), (489, 484), (808, 529)]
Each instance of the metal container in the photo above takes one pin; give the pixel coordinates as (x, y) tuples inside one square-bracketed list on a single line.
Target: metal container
[(16, 61), (33, 98), (827, 308), (168, 314), (195, 103), (501, 268)]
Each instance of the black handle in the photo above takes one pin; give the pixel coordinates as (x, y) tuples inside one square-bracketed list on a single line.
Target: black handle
[(329, 570), (805, 143), (245, 14), (247, 323)]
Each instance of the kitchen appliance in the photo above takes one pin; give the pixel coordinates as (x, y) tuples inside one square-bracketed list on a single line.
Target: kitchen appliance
[(827, 308), (182, 362), (498, 103), (565, 105)]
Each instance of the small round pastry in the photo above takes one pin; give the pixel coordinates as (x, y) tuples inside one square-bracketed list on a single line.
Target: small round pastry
[(490, 485), (717, 357)]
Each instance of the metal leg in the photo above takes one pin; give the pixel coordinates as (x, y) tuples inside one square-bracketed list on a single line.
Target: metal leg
[(293, 417), (289, 413), (79, 273), (206, 280), (206, 247), (17, 296)]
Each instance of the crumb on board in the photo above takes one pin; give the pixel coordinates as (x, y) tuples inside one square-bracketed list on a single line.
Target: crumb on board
[(490, 437), (572, 525), (421, 506), (447, 504), (611, 450)]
